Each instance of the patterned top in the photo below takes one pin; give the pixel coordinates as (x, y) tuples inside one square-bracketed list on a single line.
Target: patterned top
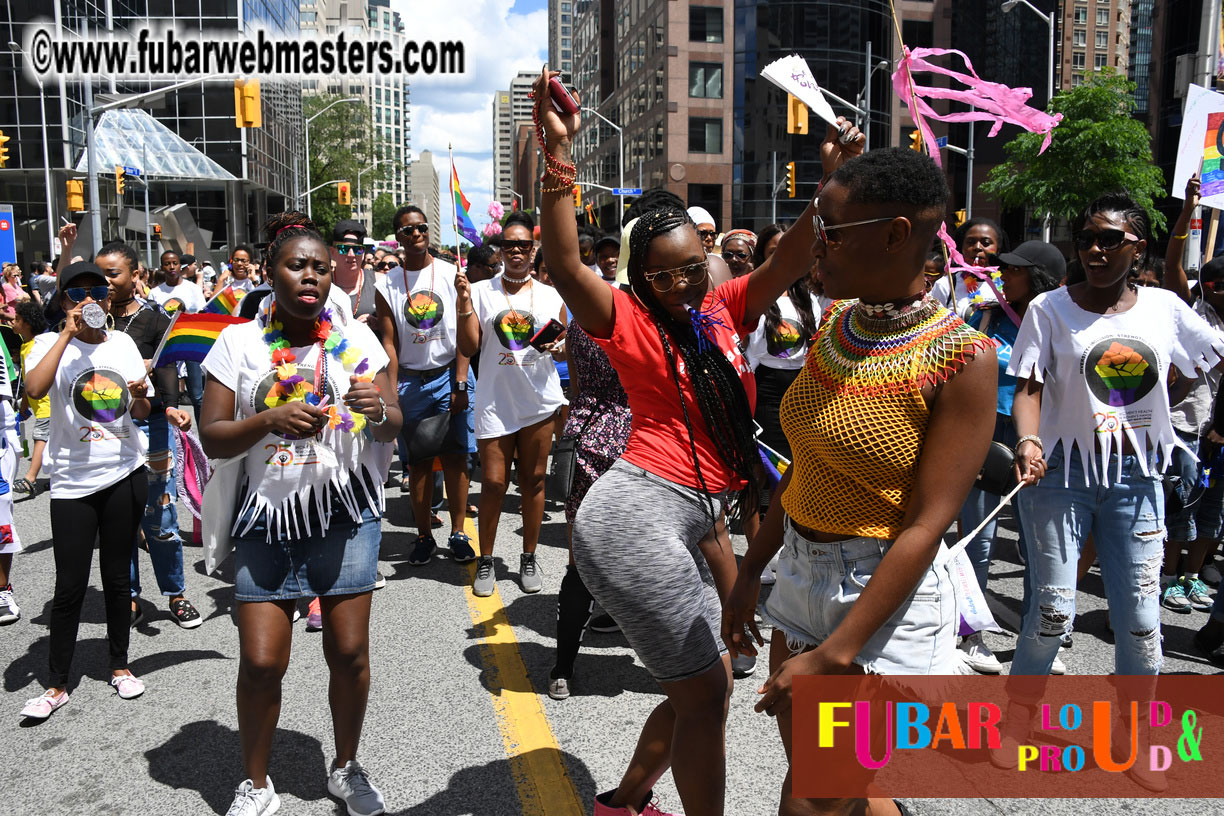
[(856, 419)]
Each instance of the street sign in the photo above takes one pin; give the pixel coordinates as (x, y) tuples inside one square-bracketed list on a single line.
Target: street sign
[(131, 171), (942, 141), (626, 191), (8, 236)]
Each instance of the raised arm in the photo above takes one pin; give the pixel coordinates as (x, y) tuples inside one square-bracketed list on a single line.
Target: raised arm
[(793, 257), (1175, 271), (586, 295)]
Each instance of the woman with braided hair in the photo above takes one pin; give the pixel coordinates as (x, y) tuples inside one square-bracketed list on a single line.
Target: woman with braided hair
[(674, 341)]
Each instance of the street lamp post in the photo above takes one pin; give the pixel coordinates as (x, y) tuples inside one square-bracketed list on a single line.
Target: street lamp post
[(1007, 6), (865, 96), (359, 198), (308, 121), (42, 102), (518, 198), (620, 154)]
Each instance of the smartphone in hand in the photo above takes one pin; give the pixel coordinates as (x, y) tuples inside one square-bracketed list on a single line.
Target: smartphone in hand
[(551, 331), (562, 99)]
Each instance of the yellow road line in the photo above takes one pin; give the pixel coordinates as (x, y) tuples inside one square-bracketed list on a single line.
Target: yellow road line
[(544, 785)]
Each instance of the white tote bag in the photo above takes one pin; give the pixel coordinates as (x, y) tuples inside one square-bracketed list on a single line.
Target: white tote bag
[(217, 512)]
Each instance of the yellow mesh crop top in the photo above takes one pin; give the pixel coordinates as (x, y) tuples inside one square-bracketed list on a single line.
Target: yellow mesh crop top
[(855, 417)]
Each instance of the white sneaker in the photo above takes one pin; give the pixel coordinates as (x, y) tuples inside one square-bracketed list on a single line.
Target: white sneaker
[(1058, 667), (558, 688), (9, 610), (769, 576), (977, 655), (251, 802), (351, 785)]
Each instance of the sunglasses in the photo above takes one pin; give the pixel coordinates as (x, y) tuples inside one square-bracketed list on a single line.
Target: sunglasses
[(823, 230), (664, 279), (525, 246), (735, 256), (386, 266), (412, 229), (78, 293), (1108, 240), (350, 249), (707, 233)]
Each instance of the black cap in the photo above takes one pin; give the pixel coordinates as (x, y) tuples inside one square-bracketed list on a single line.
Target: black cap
[(346, 228), (607, 240), (76, 270), (186, 260), (1036, 253)]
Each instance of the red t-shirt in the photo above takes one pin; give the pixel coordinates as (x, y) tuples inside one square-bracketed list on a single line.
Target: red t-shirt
[(658, 438)]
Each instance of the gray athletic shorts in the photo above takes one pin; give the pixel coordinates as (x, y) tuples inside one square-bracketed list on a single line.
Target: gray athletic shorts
[(635, 545)]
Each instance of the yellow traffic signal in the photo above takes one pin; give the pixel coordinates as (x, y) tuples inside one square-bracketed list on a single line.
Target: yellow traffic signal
[(796, 115), (577, 196), (343, 194), (916, 140), (120, 177), (76, 195), (248, 111), (790, 179), (4, 155), (961, 217)]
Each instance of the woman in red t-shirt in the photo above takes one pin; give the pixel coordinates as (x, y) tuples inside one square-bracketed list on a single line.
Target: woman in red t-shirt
[(674, 341)]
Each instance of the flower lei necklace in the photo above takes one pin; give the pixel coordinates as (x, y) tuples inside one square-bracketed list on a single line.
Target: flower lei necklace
[(292, 386)]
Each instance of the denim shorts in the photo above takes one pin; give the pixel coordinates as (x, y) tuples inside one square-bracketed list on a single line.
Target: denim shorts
[(818, 583), (1193, 511), (420, 398), (342, 561)]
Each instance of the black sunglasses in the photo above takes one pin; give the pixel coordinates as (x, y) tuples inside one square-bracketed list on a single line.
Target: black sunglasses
[(1107, 239), (735, 256), (78, 293), (526, 246), (707, 233), (412, 229)]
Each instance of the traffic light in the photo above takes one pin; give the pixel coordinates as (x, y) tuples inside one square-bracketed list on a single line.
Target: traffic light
[(916, 140), (577, 196), (4, 156), (961, 217), (343, 194), (157, 230), (790, 179), (76, 195), (247, 107), (796, 115), (120, 177)]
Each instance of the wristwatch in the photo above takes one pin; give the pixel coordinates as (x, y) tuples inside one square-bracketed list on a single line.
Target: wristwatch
[(461, 386)]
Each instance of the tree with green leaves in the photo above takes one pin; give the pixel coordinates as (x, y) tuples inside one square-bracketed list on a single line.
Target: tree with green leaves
[(341, 146), (383, 211), (1097, 148)]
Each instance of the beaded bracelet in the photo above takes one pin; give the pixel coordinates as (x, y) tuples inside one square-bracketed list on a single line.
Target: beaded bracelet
[(554, 166), (1036, 440)]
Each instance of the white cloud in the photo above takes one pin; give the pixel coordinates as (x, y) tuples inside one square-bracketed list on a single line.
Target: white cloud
[(458, 109)]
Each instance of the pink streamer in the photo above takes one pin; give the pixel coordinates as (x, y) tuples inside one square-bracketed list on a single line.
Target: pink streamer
[(958, 265), (992, 101)]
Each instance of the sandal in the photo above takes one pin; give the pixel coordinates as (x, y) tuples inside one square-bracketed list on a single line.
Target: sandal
[(26, 486)]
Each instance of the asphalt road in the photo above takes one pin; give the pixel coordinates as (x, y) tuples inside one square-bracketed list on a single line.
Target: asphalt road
[(459, 721)]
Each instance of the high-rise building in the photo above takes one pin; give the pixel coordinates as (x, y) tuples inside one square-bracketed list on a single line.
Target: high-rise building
[(260, 159), (326, 19), (390, 110), (1139, 61), (1090, 39), (424, 181), (510, 108), (560, 36)]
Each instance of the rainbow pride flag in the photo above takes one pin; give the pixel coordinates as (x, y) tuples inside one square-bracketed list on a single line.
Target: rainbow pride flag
[(463, 221), (225, 302), (190, 336), (775, 463)]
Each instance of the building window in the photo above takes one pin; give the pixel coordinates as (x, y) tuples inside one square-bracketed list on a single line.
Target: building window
[(705, 80), (1102, 39), (1080, 37), (565, 8), (1099, 61), (1081, 16), (1103, 17), (565, 42), (705, 135), (706, 24), (1077, 80), (1078, 60)]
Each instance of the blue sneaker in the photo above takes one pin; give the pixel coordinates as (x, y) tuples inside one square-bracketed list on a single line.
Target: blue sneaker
[(461, 547)]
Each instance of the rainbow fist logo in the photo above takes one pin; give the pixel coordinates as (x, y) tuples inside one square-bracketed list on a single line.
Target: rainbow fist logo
[(784, 341), (100, 395), (514, 328), (1122, 374), (173, 305), (423, 310)]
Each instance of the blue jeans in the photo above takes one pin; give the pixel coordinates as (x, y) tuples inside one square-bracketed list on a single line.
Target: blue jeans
[(160, 522), (1194, 511), (1127, 522), (195, 387), (978, 505)]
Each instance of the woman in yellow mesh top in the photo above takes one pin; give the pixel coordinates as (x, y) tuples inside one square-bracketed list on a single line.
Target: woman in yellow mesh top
[(889, 422)]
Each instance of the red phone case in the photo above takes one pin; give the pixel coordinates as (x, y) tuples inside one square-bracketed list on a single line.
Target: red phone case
[(552, 328), (562, 99)]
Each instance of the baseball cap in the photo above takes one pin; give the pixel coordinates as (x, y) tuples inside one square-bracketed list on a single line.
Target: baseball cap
[(1035, 253), (607, 240), (75, 270), (186, 260), (346, 228)]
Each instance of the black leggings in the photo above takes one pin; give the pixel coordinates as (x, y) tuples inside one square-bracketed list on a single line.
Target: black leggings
[(112, 515), (574, 606)]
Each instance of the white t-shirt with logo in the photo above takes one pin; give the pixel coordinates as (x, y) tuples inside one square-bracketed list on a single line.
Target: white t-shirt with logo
[(287, 478), (1193, 414), (186, 296), (94, 443), (783, 348), (519, 386), (1105, 375), (244, 284), (423, 304), (965, 299)]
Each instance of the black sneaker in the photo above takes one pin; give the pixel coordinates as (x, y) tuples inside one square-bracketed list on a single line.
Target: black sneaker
[(603, 623), (137, 615), (461, 547), (184, 614), (1213, 647), (422, 550)]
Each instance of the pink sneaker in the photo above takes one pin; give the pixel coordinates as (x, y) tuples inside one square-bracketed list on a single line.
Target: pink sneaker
[(128, 686), (40, 708), (650, 809), (314, 619)]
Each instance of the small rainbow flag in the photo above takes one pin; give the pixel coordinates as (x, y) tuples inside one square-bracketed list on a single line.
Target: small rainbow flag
[(225, 302), (775, 463), (190, 336), (463, 221)]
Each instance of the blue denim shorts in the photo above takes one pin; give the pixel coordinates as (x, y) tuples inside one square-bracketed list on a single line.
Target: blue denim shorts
[(420, 398), (342, 561), (818, 583)]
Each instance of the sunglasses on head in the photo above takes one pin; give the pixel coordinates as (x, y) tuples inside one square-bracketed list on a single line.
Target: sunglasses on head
[(1107, 239), (526, 246), (78, 293), (350, 249), (412, 229)]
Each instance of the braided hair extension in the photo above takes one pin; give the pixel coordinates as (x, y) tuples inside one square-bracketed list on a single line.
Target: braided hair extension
[(282, 228), (801, 299), (716, 385)]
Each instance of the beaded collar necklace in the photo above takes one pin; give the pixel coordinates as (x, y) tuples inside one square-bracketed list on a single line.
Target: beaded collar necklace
[(292, 386)]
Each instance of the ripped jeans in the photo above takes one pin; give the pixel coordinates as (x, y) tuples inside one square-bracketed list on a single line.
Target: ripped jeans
[(160, 521), (1127, 521)]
